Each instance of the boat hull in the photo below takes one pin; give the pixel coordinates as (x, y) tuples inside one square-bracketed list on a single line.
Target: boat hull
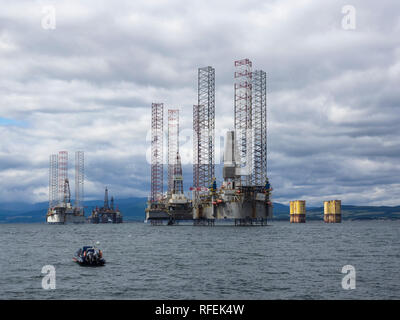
[(62, 218), (83, 263)]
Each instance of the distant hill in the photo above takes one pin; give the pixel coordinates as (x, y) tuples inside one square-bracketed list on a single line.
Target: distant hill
[(133, 210)]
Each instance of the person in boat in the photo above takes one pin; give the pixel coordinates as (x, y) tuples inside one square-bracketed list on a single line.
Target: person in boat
[(89, 255)]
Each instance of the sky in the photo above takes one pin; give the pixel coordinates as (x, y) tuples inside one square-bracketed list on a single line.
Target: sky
[(81, 75)]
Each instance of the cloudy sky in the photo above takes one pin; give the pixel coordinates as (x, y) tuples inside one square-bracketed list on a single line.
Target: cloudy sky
[(88, 84)]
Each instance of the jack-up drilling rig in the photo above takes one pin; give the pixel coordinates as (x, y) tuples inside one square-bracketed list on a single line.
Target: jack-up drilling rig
[(245, 193), (61, 210)]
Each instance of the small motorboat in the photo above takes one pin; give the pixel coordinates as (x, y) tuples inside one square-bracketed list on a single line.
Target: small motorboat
[(89, 256)]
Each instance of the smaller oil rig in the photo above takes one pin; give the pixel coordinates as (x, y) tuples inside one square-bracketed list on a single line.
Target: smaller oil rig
[(61, 210), (106, 214)]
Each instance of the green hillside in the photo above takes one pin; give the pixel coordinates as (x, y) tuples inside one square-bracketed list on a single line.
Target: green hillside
[(133, 210)]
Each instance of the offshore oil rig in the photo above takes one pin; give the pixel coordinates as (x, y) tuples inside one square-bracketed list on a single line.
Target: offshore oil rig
[(244, 195), (109, 213), (61, 210)]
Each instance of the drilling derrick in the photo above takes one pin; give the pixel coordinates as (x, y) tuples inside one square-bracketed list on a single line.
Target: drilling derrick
[(79, 180), (112, 203), (62, 176), (106, 206), (178, 178), (204, 129), (260, 128), (173, 148), (178, 206), (243, 119), (67, 193), (157, 112), (53, 181)]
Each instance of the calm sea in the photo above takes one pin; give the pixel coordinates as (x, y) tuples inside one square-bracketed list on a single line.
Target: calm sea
[(280, 261)]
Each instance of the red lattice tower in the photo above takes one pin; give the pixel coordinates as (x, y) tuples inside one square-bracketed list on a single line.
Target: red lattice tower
[(157, 114), (178, 177), (173, 148), (62, 175), (243, 119)]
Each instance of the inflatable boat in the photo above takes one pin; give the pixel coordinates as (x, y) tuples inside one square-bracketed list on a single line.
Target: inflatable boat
[(89, 256)]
